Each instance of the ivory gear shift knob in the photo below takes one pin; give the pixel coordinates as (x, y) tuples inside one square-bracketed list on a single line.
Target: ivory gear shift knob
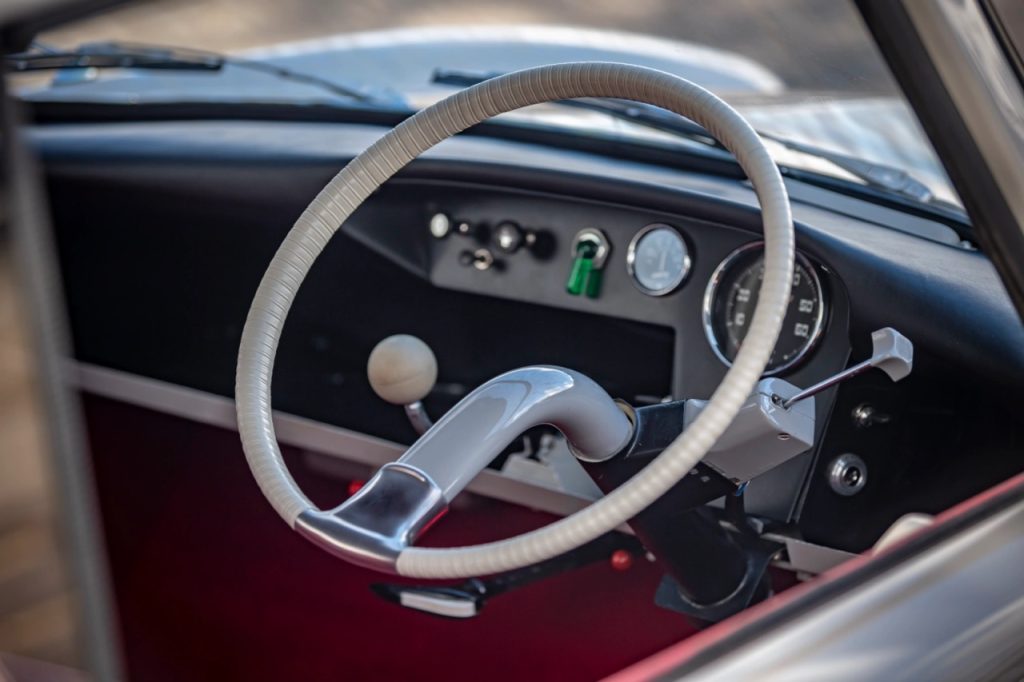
[(402, 369)]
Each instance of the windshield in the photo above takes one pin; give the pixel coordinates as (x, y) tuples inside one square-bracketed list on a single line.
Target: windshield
[(803, 70)]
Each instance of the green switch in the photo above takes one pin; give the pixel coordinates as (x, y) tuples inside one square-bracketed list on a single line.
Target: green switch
[(590, 251), (592, 289), (582, 269)]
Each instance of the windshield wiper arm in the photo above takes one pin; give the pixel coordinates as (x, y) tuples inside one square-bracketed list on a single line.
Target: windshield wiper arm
[(85, 58), (137, 56), (647, 115), (878, 175)]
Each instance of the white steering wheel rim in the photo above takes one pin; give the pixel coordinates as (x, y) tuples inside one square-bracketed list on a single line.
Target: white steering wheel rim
[(350, 187)]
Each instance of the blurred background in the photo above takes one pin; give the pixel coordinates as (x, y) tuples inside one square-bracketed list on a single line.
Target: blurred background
[(36, 605)]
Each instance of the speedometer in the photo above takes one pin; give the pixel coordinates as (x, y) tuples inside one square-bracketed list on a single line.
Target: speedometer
[(732, 294)]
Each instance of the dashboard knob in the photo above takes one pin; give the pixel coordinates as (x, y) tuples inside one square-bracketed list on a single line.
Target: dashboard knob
[(508, 237), (440, 225), (481, 259), (402, 369)]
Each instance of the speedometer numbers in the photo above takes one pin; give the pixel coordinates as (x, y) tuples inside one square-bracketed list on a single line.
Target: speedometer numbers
[(732, 295)]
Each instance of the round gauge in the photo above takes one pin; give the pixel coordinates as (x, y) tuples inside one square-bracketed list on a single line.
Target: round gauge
[(732, 295), (658, 260)]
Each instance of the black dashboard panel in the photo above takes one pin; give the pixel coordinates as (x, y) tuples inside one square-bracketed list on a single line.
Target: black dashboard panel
[(164, 230)]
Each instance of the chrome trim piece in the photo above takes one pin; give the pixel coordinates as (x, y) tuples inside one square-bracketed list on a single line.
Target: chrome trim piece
[(594, 236), (385, 516), (847, 475), (953, 611), (987, 95), (807, 557), (712, 289), (631, 259), (92, 612), (438, 604), (418, 417)]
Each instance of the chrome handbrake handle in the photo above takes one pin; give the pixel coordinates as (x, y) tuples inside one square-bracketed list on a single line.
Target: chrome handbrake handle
[(405, 497)]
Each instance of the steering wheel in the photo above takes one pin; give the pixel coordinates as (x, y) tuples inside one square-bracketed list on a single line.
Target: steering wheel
[(377, 526)]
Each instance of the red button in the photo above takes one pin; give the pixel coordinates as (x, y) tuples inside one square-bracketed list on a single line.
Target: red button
[(621, 560)]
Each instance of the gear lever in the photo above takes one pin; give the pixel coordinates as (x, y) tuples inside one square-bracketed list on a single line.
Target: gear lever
[(402, 371)]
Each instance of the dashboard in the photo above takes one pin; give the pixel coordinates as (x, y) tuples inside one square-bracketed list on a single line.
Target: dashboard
[(501, 254)]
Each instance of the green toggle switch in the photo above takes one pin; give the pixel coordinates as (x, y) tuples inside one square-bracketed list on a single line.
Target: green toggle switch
[(586, 273), (582, 269), (592, 289)]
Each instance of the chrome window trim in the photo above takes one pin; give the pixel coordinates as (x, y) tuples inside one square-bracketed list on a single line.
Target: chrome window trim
[(986, 93)]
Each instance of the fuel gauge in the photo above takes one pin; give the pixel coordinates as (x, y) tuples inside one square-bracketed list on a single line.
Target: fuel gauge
[(658, 259)]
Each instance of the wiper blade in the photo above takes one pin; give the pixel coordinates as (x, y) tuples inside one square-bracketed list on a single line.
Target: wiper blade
[(647, 115), (877, 175), (108, 56), (137, 56)]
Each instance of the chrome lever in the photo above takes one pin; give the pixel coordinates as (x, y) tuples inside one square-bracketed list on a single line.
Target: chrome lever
[(891, 352)]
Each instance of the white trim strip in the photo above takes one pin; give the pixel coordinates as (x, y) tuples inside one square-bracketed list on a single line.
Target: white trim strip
[(215, 410)]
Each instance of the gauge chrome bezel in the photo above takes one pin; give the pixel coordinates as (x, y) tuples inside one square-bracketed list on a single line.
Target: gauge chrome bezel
[(631, 260), (712, 289)]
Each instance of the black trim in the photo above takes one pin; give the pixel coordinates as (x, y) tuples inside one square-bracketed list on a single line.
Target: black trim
[(715, 162), (712, 161)]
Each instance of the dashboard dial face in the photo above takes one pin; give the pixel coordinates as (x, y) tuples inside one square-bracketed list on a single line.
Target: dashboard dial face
[(658, 259), (733, 293)]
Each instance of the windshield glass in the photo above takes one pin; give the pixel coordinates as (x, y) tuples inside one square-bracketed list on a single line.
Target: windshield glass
[(803, 70)]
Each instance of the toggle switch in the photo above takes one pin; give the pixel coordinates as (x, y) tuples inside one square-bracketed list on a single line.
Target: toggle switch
[(590, 250)]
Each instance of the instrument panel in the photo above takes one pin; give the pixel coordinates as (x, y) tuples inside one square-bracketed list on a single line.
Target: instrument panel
[(700, 279), (693, 277)]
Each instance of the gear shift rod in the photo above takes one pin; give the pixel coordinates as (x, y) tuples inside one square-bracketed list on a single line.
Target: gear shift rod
[(402, 371)]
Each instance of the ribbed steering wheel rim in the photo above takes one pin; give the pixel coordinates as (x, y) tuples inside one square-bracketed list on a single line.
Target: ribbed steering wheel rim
[(361, 177)]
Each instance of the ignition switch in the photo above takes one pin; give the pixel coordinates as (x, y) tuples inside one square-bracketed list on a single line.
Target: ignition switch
[(590, 253)]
